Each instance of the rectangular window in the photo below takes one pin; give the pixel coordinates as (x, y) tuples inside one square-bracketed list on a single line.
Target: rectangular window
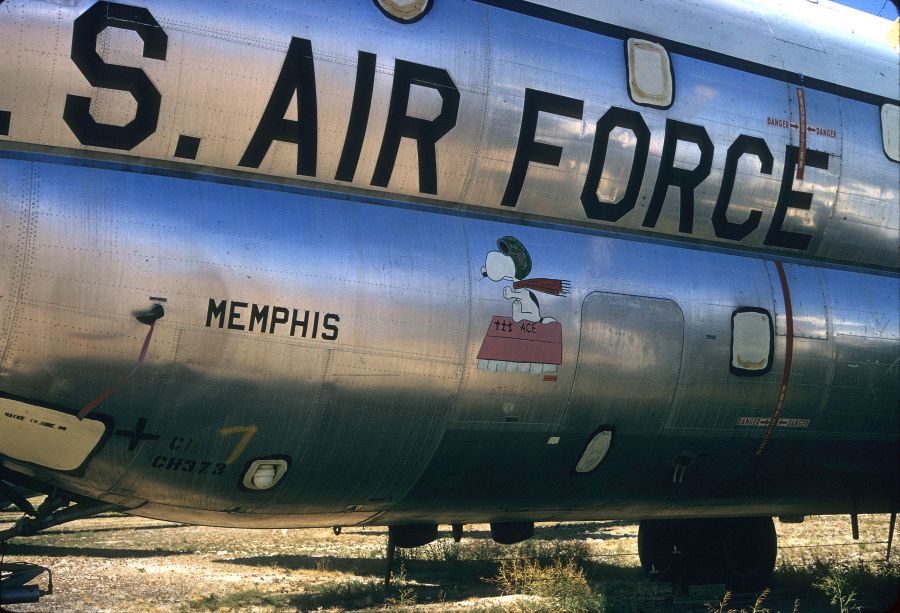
[(651, 81), (752, 342)]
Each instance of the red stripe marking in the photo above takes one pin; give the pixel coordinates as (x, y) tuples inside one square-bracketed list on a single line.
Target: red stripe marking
[(801, 156), (788, 357), (93, 404)]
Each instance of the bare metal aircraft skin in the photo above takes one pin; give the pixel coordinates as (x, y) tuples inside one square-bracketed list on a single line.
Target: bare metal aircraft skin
[(305, 264)]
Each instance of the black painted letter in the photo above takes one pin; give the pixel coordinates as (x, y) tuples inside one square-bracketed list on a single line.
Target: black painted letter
[(297, 75), (742, 145), (426, 132), (77, 112), (615, 118), (788, 198), (528, 150), (686, 180), (359, 116), (216, 311)]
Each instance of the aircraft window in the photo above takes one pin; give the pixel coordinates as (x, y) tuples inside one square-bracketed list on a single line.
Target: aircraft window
[(595, 451), (404, 11), (890, 130), (752, 336), (650, 78)]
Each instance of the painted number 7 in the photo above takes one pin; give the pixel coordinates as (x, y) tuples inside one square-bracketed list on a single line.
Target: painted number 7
[(246, 431)]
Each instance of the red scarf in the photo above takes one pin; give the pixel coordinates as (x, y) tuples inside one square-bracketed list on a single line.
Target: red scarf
[(554, 287)]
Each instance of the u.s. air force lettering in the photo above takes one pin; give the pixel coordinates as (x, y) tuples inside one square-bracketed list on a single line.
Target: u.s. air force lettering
[(297, 79)]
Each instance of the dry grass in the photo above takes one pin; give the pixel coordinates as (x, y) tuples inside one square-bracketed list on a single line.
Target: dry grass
[(117, 563)]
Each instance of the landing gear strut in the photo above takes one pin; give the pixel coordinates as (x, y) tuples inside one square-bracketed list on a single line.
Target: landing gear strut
[(47, 516), (13, 579), (389, 558), (53, 511), (739, 552)]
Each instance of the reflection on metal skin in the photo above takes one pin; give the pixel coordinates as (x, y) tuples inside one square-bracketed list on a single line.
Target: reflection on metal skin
[(317, 313)]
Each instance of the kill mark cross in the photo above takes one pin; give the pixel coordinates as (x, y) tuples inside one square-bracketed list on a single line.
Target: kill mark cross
[(137, 435)]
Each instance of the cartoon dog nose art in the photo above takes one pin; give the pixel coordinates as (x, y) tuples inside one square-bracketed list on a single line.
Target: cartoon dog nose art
[(526, 342)]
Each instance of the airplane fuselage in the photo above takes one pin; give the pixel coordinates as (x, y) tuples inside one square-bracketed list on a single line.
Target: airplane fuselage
[(424, 266)]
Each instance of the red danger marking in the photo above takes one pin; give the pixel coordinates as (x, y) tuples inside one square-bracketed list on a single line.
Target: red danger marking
[(765, 422), (827, 132), (784, 123), (801, 155)]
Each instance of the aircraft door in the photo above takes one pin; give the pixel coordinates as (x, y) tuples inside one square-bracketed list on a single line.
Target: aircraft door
[(628, 364), (629, 360)]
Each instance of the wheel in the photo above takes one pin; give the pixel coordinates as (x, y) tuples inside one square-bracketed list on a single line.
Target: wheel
[(739, 552), (749, 549), (655, 549), (412, 535)]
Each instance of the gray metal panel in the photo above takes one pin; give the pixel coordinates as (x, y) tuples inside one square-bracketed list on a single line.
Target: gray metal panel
[(710, 399), (393, 414), (821, 39), (866, 387), (396, 403), (221, 66), (867, 209), (628, 363), (812, 360), (807, 300), (15, 218), (94, 244)]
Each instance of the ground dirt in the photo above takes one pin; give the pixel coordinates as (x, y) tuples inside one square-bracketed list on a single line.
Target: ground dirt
[(120, 563)]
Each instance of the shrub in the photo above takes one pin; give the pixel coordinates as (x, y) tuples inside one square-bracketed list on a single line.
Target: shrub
[(562, 583)]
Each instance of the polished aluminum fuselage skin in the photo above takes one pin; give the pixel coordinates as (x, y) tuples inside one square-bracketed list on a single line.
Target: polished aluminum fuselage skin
[(379, 400)]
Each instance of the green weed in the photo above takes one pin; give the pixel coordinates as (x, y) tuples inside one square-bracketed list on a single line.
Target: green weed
[(757, 607), (406, 596), (238, 601), (837, 586), (561, 583)]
